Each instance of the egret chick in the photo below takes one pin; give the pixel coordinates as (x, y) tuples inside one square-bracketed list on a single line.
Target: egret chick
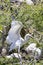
[(14, 55), (29, 2), (38, 53), (31, 47)]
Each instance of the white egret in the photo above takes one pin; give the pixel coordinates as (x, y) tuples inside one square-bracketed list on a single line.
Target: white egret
[(14, 38), (38, 53), (29, 2), (14, 55), (33, 49)]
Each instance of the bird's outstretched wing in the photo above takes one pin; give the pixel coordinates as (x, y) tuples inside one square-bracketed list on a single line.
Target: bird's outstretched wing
[(14, 32)]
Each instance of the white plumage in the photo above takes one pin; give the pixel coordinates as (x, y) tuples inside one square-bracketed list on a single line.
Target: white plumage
[(29, 2), (38, 53), (14, 38), (32, 47), (21, 0), (14, 32), (16, 55)]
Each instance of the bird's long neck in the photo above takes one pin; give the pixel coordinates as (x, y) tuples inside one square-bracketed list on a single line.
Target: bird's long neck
[(25, 41), (26, 38)]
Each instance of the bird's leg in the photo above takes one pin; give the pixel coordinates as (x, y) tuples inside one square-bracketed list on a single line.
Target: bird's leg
[(19, 56), (18, 49)]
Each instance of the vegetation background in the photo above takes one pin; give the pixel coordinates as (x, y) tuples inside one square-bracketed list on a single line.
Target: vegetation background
[(30, 15)]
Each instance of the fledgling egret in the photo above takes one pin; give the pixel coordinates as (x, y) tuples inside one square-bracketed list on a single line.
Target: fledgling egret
[(29, 2), (38, 53), (14, 38), (33, 49), (14, 55)]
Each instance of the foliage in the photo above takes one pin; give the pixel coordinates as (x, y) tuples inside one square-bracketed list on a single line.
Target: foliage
[(30, 16)]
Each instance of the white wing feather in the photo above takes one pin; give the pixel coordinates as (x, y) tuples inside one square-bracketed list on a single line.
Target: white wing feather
[(14, 34)]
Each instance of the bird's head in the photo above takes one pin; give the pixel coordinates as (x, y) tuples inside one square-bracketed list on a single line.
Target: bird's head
[(27, 36)]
